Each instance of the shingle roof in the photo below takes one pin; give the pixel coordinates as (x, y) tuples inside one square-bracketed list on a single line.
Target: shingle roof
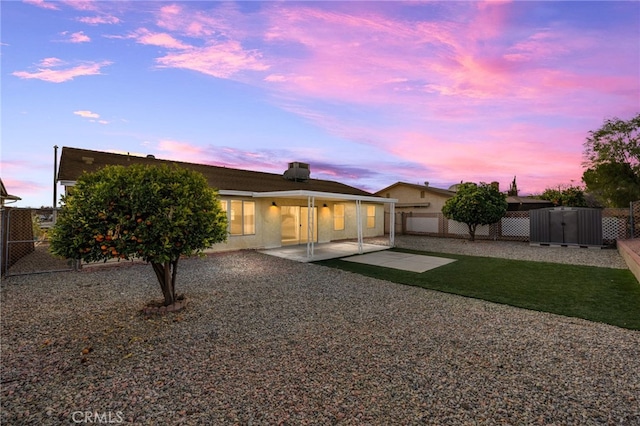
[(4, 195), (74, 161), (439, 191)]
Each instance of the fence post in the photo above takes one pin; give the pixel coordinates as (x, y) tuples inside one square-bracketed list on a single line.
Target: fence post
[(631, 224), (3, 239)]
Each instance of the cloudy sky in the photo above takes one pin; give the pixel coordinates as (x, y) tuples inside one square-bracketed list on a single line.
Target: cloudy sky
[(368, 93)]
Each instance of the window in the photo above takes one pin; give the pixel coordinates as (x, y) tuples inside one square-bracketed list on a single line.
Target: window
[(421, 194), (249, 217), (338, 217), (241, 217), (371, 216)]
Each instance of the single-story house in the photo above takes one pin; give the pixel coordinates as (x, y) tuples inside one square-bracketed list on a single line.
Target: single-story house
[(265, 210), (419, 199), (426, 198)]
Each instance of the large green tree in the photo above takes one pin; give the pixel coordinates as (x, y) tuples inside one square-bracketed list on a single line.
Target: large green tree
[(565, 195), (612, 161), (475, 205), (157, 214)]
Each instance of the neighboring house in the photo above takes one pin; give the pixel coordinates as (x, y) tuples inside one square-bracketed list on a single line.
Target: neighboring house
[(427, 199), (421, 199), (5, 197), (265, 210)]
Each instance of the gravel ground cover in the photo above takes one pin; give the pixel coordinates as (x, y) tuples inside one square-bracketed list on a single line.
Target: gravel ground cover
[(607, 258), (265, 340)]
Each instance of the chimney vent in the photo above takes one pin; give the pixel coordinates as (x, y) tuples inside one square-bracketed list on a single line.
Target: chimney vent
[(297, 171)]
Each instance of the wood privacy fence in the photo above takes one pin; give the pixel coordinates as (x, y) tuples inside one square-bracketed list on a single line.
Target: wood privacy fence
[(514, 226)]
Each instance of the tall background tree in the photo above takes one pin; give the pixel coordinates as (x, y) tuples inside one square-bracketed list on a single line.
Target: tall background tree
[(513, 189), (612, 161), (157, 214), (475, 205)]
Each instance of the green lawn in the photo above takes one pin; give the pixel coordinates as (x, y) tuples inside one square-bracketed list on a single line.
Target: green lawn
[(605, 295)]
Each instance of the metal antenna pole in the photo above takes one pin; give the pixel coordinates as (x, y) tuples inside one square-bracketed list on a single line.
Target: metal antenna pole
[(55, 173)]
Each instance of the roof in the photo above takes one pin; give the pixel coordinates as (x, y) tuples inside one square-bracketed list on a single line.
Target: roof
[(75, 161), (4, 195), (526, 200), (443, 192)]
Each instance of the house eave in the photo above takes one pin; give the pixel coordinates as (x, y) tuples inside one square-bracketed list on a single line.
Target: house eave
[(323, 195)]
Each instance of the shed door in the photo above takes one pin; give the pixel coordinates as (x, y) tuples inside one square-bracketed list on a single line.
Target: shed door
[(563, 226)]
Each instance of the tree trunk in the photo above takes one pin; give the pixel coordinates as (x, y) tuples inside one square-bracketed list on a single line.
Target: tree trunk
[(166, 274), (472, 231)]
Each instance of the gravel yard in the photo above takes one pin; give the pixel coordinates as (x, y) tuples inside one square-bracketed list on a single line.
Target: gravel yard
[(266, 340)]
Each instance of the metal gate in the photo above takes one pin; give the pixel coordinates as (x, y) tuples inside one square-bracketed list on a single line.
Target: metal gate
[(24, 247)]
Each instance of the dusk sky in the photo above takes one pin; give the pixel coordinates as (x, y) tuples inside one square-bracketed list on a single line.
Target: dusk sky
[(368, 93)]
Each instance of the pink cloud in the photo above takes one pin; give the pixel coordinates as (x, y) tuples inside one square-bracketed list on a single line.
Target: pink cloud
[(79, 37), (22, 188), (43, 4), (374, 59), (222, 20), (96, 20), (538, 157), (51, 62), (180, 151), (221, 60), (144, 36), (86, 114), (46, 71), (82, 4)]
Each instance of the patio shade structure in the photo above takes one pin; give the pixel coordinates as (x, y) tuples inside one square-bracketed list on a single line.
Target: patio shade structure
[(313, 196)]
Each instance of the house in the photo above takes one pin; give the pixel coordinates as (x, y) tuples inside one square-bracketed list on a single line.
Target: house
[(5, 197), (419, 207), (265, 210)]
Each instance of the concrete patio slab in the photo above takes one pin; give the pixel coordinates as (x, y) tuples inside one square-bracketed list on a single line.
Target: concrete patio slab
[(322, 251), (404, 261)]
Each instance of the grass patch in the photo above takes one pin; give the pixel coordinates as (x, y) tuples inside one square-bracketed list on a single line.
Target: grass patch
[(607, 295)]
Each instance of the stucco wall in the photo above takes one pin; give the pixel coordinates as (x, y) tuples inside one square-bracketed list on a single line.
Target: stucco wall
[(406, 194), (268, 223)]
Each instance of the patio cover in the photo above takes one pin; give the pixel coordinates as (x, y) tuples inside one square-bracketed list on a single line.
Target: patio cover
[(311, 197)]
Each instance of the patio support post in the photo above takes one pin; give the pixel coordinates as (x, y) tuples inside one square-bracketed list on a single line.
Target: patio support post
[(392, 224), (310, 225), (359, 224)]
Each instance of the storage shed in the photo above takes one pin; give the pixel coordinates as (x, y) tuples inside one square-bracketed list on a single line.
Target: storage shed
[(566, 226)]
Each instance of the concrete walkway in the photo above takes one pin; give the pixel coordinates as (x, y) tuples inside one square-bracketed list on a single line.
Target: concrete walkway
[(397, 260), (322, 251), (373, 254)]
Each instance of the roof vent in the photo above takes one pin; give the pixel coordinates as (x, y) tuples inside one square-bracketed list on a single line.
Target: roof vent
[(151, 156), (87, 160), (298, 172)]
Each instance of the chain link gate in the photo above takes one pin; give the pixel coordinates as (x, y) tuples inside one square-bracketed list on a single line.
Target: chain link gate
[(24, 247), (634, 219)]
